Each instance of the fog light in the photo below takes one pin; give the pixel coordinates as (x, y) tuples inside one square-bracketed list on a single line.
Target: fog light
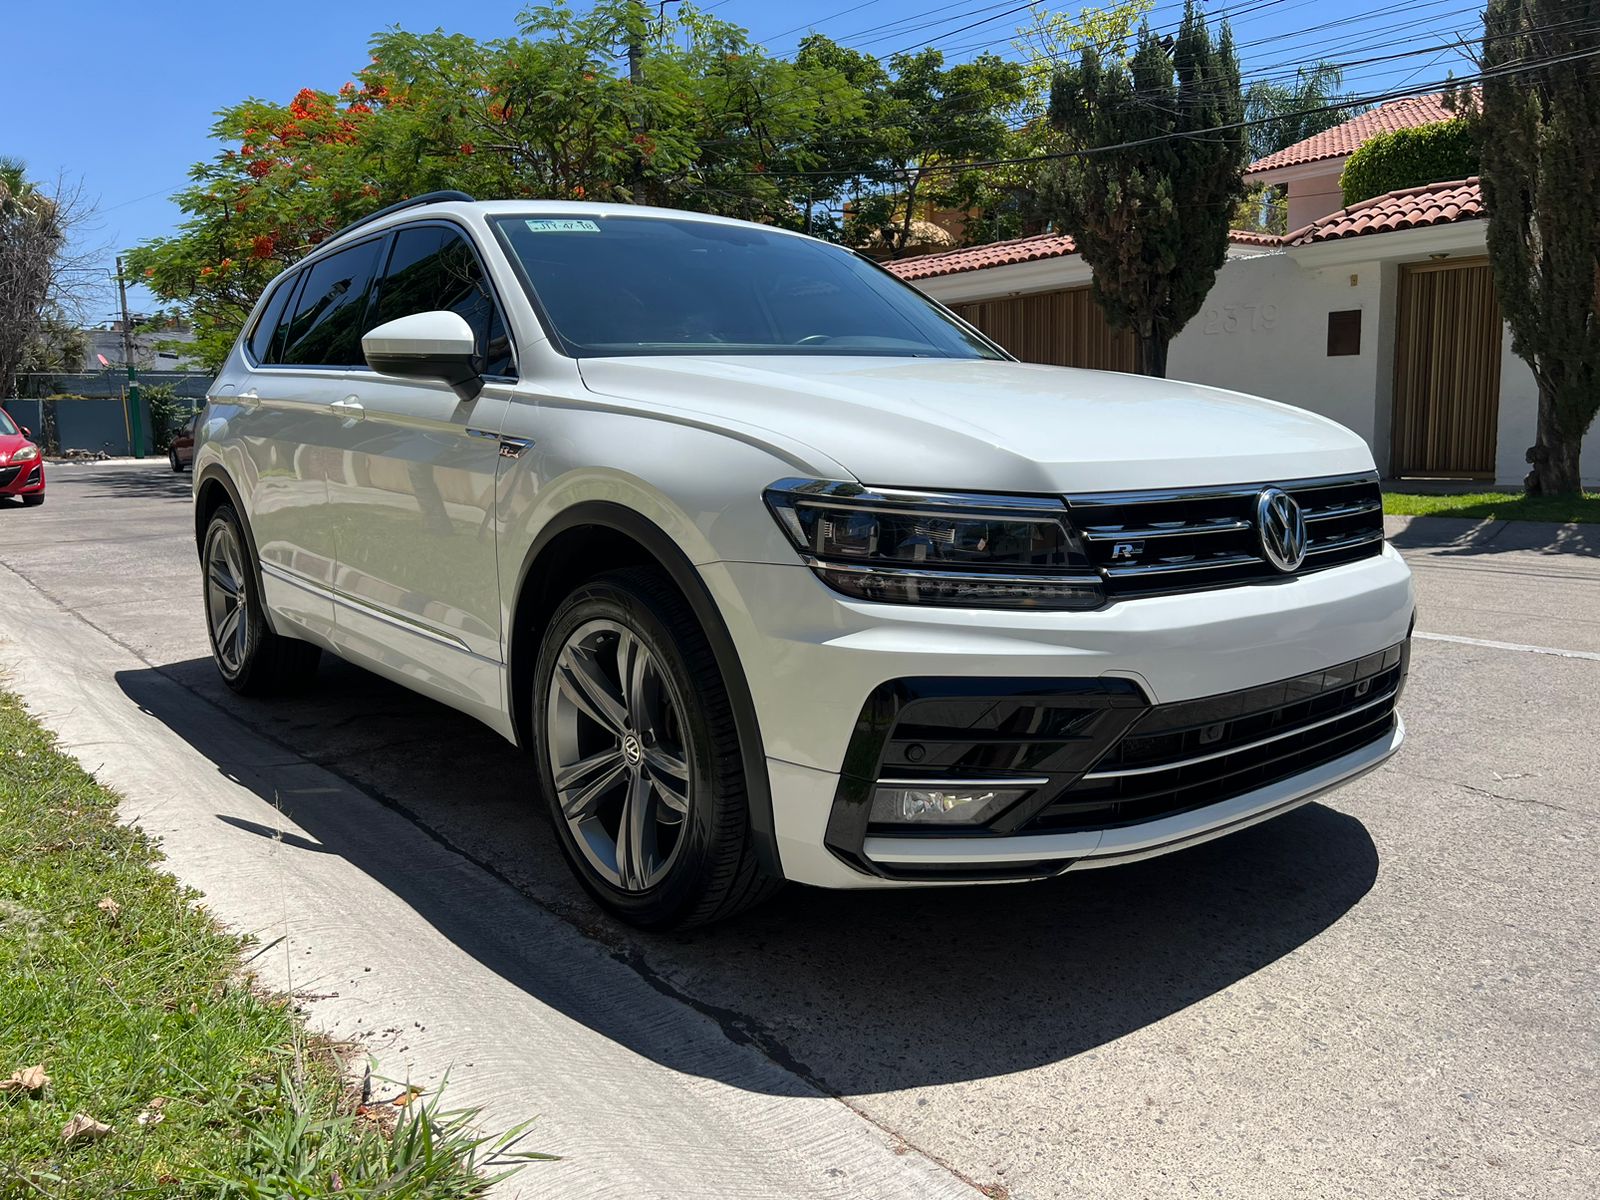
[(943, 805)]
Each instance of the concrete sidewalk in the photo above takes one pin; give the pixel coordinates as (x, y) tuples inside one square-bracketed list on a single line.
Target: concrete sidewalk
[(436, 966)]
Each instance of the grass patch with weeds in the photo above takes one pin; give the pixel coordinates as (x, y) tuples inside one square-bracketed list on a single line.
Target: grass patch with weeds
[(1497, 506), (189, 1080)]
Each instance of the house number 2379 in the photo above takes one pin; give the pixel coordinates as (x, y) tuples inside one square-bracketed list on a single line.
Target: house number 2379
[(1242, 318)]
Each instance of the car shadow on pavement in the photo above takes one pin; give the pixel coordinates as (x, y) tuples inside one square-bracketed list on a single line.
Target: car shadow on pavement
[(130, 484), (856, 992)]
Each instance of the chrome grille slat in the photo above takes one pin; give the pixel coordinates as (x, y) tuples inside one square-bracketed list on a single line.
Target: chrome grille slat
[(1177, 539), (1108, 533)]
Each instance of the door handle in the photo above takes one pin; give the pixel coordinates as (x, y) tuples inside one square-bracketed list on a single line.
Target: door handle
[(350, 408)]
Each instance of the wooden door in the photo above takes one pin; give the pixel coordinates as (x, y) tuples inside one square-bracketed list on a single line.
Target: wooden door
[(1064, 329), (1447, 371)]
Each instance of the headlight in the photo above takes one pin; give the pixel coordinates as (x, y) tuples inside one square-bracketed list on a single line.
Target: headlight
[(26, 454), (952, 549)]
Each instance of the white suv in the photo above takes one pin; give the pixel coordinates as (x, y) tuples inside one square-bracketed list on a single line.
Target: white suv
[(780, 570)]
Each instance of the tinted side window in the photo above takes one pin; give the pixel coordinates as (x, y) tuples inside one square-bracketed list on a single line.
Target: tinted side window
[(433, 267), (273, 318), (332, 309)]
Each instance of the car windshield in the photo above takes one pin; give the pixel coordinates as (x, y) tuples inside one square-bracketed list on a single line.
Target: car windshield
[(7, 425), (619, 285)]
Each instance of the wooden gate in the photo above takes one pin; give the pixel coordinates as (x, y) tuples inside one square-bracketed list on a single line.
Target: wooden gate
[(1065, 329), (1447, 371)]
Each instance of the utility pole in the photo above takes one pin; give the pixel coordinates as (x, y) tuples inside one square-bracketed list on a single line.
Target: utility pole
[(135, 417)]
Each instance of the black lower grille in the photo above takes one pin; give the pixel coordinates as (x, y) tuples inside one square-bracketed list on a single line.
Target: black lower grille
[(8, 475), (1182, 756)]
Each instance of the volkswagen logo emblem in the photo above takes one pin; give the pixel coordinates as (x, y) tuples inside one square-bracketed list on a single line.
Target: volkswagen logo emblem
[(632, 750), (1282, 528)]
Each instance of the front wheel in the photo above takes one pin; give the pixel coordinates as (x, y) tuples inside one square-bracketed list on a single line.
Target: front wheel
[(34, 500), (639, 757), (252, 659), (174, 461)]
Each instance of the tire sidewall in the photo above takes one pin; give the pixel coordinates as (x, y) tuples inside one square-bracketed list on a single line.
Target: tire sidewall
[(684, 883)]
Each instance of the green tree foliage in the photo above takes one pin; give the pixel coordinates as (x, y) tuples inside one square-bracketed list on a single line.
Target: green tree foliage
[(1537, 134), (1437, 153), (1281, 115), (927, 115), (710, 122), (1151, 217), (32, 239)]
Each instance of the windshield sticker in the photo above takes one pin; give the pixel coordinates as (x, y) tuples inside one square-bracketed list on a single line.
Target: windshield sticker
[(560, 225)]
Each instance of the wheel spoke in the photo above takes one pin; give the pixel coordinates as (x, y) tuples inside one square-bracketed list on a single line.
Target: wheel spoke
[(599, 773), (228, 629), (222, 580), (583, 682), (670, 774), (632, 659), (636, 835)]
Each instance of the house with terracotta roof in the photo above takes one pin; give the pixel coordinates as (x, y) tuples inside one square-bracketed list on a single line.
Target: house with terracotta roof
[(1381, 315)]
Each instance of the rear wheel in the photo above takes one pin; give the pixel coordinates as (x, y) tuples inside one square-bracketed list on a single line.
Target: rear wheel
[(639, 757), (172, 458), (252, 659)]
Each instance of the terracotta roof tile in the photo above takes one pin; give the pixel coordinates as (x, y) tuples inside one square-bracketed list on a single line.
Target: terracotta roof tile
[(1349, 137), (1409, 208), (1021, 250), (975, 258)]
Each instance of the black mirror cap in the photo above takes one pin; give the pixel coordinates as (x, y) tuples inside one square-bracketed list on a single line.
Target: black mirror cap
[(463, 372)]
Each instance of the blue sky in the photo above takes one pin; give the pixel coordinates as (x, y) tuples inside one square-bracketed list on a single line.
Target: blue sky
[(122, 95)]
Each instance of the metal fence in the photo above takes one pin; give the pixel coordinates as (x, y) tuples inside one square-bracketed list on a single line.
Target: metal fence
[(92, 412)]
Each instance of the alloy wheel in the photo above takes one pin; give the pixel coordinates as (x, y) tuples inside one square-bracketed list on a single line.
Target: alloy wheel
[(226, 599), (614, 736)]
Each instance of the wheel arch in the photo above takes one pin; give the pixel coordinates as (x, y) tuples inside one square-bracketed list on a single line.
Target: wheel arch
[(587, 539)]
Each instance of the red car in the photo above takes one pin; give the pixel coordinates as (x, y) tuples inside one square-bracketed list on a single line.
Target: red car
[(181, 453), (21, 464)]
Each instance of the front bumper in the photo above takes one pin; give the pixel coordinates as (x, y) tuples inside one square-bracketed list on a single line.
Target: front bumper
[(812, 658), (22, 479)]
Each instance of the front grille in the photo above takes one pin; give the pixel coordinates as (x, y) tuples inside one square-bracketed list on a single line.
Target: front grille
[(8, 475), (1181, 756), (1144, 543)]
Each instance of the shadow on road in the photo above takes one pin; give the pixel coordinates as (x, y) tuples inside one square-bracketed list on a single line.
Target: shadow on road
[(1452, 536), (857, 991), (147, 482)]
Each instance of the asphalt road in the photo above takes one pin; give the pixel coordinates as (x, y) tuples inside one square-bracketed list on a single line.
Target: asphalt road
[(1393, 993)]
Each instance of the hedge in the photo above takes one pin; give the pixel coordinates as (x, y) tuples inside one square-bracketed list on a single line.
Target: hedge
[(1406, 158)]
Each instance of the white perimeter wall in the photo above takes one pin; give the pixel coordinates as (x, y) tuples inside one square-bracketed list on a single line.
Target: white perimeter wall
[(1264, 330)]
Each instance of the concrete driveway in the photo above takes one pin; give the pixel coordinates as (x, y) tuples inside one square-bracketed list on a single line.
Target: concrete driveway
[(1395, 993)]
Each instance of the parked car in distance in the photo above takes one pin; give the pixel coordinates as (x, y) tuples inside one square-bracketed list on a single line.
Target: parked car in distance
[(779, 569), (181, 453), (21, 463)]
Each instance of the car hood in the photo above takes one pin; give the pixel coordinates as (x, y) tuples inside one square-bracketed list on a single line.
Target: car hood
[(991, 426), (10, 443)]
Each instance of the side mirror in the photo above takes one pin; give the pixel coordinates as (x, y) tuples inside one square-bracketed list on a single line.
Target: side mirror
[(26, 432), (428, 345)]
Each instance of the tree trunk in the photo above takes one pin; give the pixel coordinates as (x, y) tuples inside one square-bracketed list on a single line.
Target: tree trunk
[(1554, 454), (1152, 354)]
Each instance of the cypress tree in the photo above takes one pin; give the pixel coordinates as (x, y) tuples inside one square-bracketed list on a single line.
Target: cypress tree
[(1151, 219)]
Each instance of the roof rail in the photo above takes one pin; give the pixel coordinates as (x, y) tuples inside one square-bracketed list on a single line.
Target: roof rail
[(413, 202)]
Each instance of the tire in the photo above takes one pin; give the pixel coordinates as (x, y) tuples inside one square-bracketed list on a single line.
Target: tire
[(664, 750), (172, 458), (33, 501), (250, 657)]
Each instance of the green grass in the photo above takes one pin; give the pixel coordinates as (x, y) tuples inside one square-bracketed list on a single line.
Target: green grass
[(1497, 506), (116, 980)]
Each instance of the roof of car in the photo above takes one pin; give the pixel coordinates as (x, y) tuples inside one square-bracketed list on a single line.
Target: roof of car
[(502, 208)]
